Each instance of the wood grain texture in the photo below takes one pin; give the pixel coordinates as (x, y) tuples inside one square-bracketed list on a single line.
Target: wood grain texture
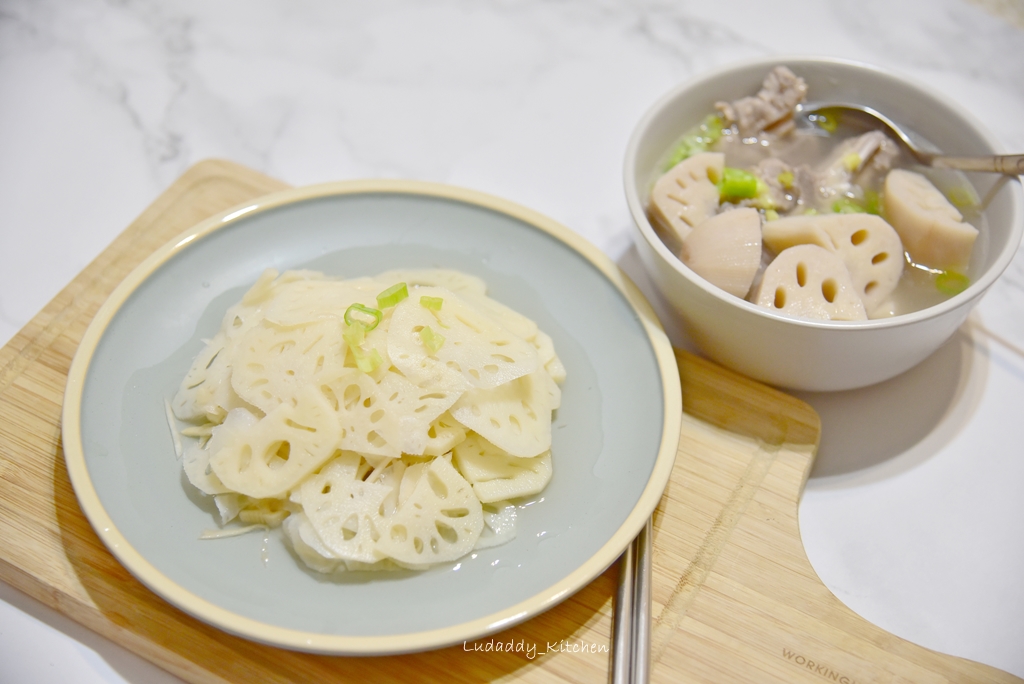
[(735, 598)]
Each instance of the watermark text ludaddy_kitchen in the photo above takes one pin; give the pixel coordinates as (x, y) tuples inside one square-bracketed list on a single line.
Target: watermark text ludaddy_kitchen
[(530, 649)]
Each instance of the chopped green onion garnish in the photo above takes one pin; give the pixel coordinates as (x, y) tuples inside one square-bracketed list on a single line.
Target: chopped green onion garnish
[(810, 211), (696, 140), (764, 196), (846, 205), (392, 295), (737, 184), (354, 335), (871, 203), (786, 179), (951, 283), (367, 316), (367, 361), (770, 215), (852, 161), (432, 303), (431, 340)]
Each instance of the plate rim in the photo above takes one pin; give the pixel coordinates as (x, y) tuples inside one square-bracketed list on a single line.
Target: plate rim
[(332, 644)]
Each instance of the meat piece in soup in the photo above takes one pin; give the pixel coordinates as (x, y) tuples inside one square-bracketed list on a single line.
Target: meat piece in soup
[(781, 92)]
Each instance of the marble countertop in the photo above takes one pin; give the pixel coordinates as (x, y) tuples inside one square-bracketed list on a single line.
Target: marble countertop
[(912, 516)]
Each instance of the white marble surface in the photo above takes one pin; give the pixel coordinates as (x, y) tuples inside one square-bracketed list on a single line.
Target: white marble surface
[(913, 515)]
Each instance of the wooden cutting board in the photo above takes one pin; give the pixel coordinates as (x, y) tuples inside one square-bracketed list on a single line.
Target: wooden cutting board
[(735, 598)]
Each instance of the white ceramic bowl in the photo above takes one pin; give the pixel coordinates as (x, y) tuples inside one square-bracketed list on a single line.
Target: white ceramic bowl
[(807, 354)]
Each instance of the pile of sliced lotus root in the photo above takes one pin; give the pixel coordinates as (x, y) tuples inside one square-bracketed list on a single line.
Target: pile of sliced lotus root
[(383, 422)]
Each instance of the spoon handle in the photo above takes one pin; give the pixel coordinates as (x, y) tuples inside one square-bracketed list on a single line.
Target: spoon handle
[(1012, 164)]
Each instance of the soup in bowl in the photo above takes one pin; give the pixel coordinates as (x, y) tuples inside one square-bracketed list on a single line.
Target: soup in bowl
[(809, 252)]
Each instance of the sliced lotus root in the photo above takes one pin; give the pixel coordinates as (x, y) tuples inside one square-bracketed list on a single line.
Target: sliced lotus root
[(268, 285), (281, 449), (548, 358), (515, 322), (443, 435), (872, 252), (477, 351), (240, 319), (206, 388), (272, 363), (810, 282), (261, 290), (499, 524), (410, 478), (455, 281), (196, 462), (687, 194), (313, 553), (515, 417), (389, 473), (932, 229), (868, 246), (305, 301), (725, 250), (354, 461), (388, 418), (354, 397), (495, 475), (343, 509), (553, 390), (440, 521), (196, 458), (265, 512), (229, 504), (412, 411)]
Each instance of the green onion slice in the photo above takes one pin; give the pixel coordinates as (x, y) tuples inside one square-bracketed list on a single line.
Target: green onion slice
[(696, 140), (364, 312), (354, 335), (432, 303), (872, 203), (951, 283), (367, 361), (392, 295), (431, 340), (764, 196), (737, 184), (847, 205)]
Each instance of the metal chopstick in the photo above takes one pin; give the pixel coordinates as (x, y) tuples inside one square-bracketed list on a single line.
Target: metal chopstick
[(631, 651), (641, 658), (622, 636)]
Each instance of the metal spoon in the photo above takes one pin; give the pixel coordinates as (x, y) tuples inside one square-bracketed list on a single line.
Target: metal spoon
[(1011, 164)]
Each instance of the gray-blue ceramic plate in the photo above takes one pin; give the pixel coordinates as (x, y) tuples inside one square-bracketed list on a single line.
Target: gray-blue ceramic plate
[(614, 443)]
